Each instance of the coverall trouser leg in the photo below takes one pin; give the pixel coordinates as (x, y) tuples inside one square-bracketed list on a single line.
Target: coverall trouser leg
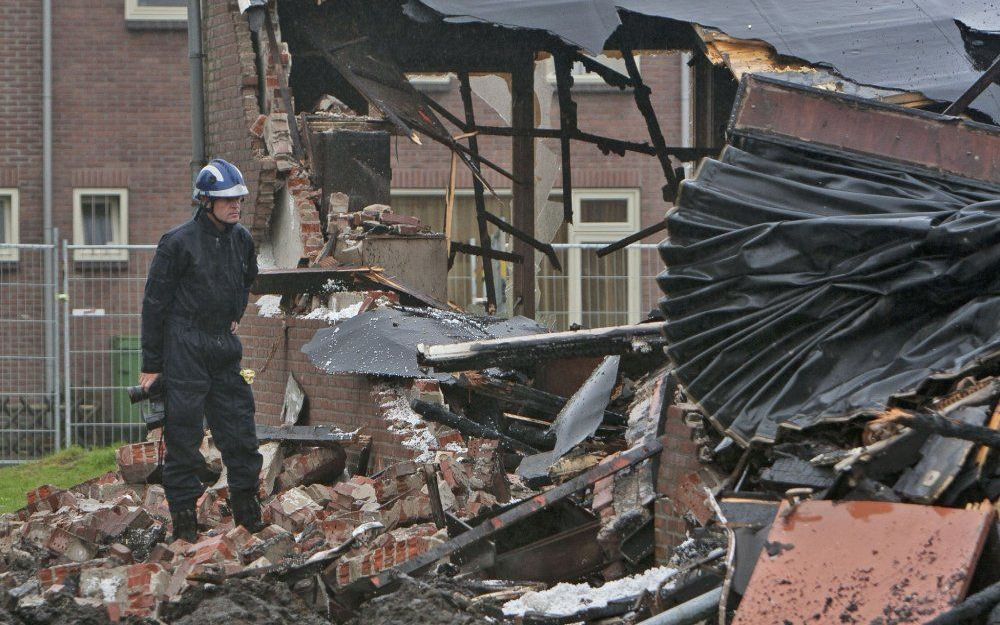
[(203, 383)]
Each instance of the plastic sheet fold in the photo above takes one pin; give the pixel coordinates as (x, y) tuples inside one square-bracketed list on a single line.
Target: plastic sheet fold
[(802, 289)]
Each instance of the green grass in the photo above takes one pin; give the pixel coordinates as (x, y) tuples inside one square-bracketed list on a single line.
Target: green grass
[(64, 469)]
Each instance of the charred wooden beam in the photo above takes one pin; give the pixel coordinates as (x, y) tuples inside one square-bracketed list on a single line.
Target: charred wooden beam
[(607, 145), (522, 114), (607, 74), (632, 238), (518, 398), (947, 427), (529, 350), (567, 125), (307, 434), (989, 76), (477, 187), (439, 414), (466, 155), (544, 248), (641, 94), (486, 252), (611, 465)]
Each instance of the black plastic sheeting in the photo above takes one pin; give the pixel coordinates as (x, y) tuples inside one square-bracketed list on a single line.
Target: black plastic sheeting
[(802, 290), (384, 342), (914, 46)]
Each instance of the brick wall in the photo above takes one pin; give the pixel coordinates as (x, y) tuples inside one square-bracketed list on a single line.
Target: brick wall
[(231, 106), (20, 168), (343, 400), (120, 118), (678, 459)]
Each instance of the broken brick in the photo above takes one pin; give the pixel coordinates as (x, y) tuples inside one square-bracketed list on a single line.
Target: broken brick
[(139, 462), (313, 464), (73, 547), (292, 510)]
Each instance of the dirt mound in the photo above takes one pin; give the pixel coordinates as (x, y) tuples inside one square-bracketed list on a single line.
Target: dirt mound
[(417, 603), (58, 610)]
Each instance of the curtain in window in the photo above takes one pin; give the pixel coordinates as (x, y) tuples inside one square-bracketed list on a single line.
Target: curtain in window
[(4, 219), (99, 218)]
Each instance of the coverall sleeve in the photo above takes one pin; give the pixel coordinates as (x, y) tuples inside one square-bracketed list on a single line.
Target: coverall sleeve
[(161, 286), (249, 276)]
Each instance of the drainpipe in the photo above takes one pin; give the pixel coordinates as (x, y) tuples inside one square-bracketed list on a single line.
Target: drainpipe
[(195, 58), (49, 262), (686, 105)]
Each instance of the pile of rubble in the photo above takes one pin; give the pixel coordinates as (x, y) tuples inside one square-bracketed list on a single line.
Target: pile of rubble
[(527, 506)]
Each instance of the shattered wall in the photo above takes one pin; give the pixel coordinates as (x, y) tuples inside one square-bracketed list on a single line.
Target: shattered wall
[(347, 401)]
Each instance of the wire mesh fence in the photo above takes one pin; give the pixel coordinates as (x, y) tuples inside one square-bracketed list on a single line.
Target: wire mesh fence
[(590, 291), (29, 397), (102, 358), (70, 320)]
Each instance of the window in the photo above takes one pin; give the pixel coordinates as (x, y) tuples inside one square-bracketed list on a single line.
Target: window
[(603, 291), (592, 292), (581, 77), (100, 217), (9, 222), (156, 10)]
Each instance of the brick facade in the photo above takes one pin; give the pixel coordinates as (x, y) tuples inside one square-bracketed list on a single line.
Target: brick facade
[(120, 119), (346, 401)]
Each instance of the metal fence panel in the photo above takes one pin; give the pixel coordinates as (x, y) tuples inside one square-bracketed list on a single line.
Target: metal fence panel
[(29, 397), (103, 286), (64, 369), (591, 292)]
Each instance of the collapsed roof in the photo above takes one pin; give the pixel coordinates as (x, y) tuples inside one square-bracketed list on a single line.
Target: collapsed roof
[(929, 46), (813, 274)]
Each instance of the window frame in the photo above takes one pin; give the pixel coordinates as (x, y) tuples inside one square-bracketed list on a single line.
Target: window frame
[(12, 254), (604, 232), (99, 255), (576, 233), (136, 13)]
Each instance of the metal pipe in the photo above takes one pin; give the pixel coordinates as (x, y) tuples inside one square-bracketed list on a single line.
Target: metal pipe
[(54, 278), (689, 613), (68, 438), (196, 61), (49, 261)]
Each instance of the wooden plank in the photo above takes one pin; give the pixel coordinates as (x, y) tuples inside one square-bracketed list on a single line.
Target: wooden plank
[(867, 129), (489, 282), (523, 201), (524, 350), (518, 398), (468, 427), (308, 434)]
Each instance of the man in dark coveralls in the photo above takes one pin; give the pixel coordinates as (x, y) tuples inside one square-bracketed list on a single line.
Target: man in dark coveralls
[(196, 292)]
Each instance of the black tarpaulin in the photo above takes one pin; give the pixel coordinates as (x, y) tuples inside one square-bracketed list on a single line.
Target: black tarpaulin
[(384, 342), (802, 289), (913, 46)]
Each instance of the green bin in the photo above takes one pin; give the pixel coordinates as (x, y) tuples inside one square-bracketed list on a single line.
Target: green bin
[(126, 364)]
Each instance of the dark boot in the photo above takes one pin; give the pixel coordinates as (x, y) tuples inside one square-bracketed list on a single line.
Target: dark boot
[(185, 524), (246, 511)]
